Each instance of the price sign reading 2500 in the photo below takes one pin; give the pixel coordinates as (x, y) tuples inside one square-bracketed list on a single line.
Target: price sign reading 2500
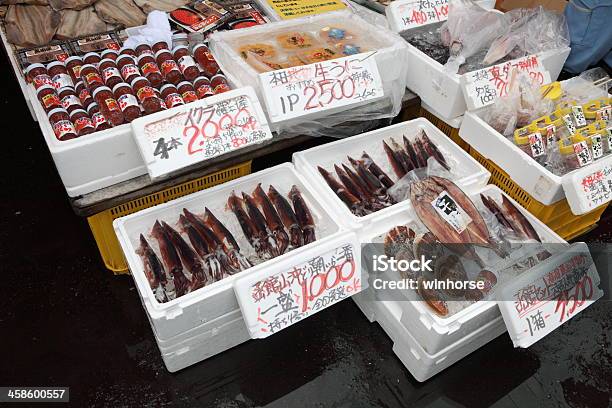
[(303, 90)]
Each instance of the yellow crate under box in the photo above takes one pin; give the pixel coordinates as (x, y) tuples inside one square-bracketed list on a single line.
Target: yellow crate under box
[(101, 224), (447, 129), (558, 216)]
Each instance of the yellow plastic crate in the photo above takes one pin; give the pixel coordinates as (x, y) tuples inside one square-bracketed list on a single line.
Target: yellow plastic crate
[(101, 224), (447, 129), (557, 216)]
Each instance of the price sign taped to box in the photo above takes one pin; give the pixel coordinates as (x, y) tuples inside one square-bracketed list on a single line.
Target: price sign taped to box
[(272, 300), (590, 187), (191, 133), (407, 14), (327, 85), (483, 87), (554, 291)]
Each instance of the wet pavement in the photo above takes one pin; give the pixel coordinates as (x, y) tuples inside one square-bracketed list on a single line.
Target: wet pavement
[(67, 321)]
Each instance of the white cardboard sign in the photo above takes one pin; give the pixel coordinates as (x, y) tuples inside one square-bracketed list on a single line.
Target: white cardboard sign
[(191, 133), (549, 294), (312, 281), (483, 87), (407, 14), (307, 89), (589, 187)]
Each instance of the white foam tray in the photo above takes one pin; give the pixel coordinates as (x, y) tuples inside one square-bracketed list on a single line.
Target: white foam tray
[(535, 179), (218, 299), (433, 332), (421, 364), (471, 173), (455, 123), (389, 60), (18, 73)]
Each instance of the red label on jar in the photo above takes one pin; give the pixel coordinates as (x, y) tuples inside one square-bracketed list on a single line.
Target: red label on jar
[(41, 80), (92, 77), (149, 68), (168, 66), (173, 100), (70, 100), (110, 72), (204, 91), (62, 128), (221, 88), (84, 94), (62, 80), (76, 70), (189, 96), (81, 123), (112, 104), (98, 119), (51, 100), (129, 70), (145, 92), (127, 100), (186, 62)]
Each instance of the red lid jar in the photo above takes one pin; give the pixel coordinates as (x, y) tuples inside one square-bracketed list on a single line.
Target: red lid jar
[(38, 75), (82, 122), (61, 124), (91, 77), (128, 68), (92, 58), (169, 68), (127, 101), (187, 91), (59, 75), (146, 95), (144, 49), (69, 99), (109, 106), (109, 54), (171, 97), (206, 60), (202, 87), (150, 70), (219, 84), (48, 98), (110, 74), (160, 45), (186, 63), (73, 65)]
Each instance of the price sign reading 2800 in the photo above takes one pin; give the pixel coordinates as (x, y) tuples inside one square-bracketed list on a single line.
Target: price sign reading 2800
[(303, 90)]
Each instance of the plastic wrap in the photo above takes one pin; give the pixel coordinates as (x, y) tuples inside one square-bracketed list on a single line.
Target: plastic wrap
[(245, 54)]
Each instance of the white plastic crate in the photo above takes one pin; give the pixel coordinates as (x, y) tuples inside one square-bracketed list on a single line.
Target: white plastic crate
[(421, 364), (218, 299), (16, 68), (433, 332), (471, 173), (389, 61), (536, 180)]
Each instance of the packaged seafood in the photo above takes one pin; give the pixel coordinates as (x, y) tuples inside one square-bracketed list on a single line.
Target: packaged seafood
[(249, 235), (364, 155)]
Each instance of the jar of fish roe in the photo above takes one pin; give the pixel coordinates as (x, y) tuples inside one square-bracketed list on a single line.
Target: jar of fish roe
[(110, 73), (48, 98), (150, 70), (97, 118), (92, 58), (69, 99), (83, 94), (145, 93), (91, 77), (202, 87), (61, 124), (187, 92), (82, 122), (109, 106), (109, 54), (168, 67), (144, 49), (127, 101), (38, 75), (160, 45), (59, 75), (206, 60), (171, 97), (74, 64), (186, 63), (128, 68), (127, 51), (219, 84)]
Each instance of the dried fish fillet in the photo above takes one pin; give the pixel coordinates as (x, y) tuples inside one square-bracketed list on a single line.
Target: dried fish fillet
[(31, 2), (70, 4), (76, 23), (29, 26), (122, 12), (163, 5)]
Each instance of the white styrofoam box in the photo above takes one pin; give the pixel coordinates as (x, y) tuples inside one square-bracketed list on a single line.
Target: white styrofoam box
[(422, 364), (94, 161), (455, 123), (433, 332), (389, 59), (469, 173), (18, 72), (442, 90), (535, 179), (218, 299)]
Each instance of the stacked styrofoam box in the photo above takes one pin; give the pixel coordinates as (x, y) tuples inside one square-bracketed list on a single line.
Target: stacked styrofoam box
[(390, 61), (467, 171), (208, 321), (425, 342), (535, 179)]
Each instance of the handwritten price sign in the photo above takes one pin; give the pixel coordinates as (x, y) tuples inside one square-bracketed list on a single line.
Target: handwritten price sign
[(407, 14), (333, 84), (590, 187), (188, 134), (483, 87), (272, 302), (549, 294)]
